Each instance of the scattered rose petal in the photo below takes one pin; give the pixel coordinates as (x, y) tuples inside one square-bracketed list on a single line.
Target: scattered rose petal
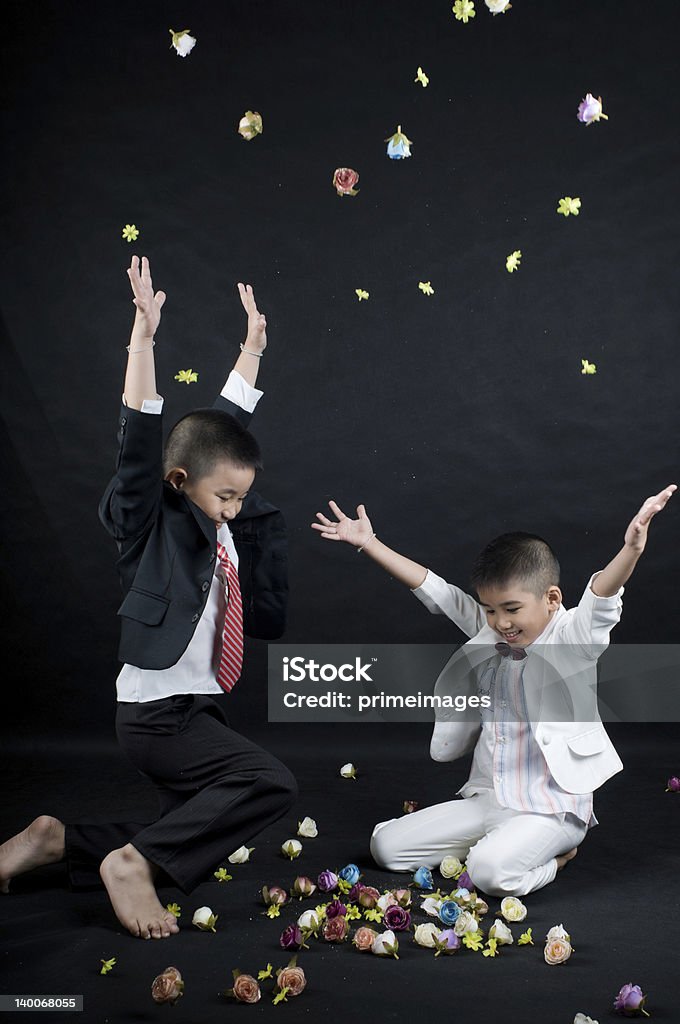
[(398, 146), (167, 987), (344, 180), (590, 109), (241, 855), (182, 42), (583, 1018), (250, 125)]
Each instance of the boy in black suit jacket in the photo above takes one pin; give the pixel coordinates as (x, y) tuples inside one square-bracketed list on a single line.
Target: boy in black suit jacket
[(182, 623)]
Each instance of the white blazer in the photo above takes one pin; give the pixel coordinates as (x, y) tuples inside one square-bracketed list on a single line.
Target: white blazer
[(559, 679)]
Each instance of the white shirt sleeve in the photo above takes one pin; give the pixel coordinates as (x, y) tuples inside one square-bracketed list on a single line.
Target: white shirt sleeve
[(591, 622), (152, 405), (442, 598), (240, 392)]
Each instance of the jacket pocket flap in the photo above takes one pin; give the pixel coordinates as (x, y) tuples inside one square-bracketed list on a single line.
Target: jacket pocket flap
[(591, 742), (144, 607)]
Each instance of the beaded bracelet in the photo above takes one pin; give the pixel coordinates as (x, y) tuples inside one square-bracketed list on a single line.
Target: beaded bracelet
[(248, 352), (359, 550), (147, 349)]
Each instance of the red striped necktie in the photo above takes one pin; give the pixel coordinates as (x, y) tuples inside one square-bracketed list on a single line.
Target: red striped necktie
[(232, 636)]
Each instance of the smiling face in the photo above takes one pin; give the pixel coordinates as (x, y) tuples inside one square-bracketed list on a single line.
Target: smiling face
[(221, 494), (515, 613)]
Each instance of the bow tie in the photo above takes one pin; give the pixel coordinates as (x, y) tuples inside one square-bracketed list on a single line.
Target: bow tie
[(506, 651)]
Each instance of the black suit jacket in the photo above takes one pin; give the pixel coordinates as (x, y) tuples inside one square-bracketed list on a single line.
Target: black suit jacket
[(167, 548)]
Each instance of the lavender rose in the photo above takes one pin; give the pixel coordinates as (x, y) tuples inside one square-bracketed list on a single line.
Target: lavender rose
[(335, 909), (465, 882), (168, 986), (246, 989), (397, 919), (630, 1001), (673, 784), (447, 942), (327, 881)]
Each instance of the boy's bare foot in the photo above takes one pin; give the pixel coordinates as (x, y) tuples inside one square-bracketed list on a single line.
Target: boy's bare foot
[(41, 843), (564, 857), (128, 877)]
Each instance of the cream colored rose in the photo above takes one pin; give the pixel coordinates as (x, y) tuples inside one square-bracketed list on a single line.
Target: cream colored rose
[(513, 909), (583, 1018), (431, 906), (348, 771), (241, 855), (557, 951), (307, 828), (204, 919), (292, 848), (309, 920), (557, 932), (501, 933), (465, 922), (450, 867), (182, 42), (498, 6), (425, 934)]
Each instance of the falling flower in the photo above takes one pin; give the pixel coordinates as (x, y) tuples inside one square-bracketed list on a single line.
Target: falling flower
[(187, 376), (107, 965), (525, 938), (241, 855), (246, 989), (630, 1000), (344, 180), (426, 288), (463, 10), (422, 78), (130, 232), (587, 367), (512, 261), (167, 987), (568, 205), (292, 848), (204, 919), (513, 909), (398, 146), (307, 828), (250, 125), (590, 109), (498, 6), (360, 293), (583, 1018), (409, 806), (673, 785), (348, 771), (182, 41), (557, 951), (174, 909), (222, 875)]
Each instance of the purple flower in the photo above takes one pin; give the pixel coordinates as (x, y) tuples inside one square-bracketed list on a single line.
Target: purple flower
[(355, 892), (630, 1001), (447, 942), (336, 909), (396, 919), (291, 937), (465, 882), (327, 881), (590, 109), (673, 784)]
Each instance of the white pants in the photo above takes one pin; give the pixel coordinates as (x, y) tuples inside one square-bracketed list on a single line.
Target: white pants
[(508, 852)]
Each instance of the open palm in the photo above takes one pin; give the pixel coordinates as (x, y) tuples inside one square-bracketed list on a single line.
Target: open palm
[(148, 303)]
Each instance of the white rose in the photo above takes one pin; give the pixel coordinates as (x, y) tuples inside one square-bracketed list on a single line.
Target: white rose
[(307, 828), (450, 867), (501, 933), (241, 855), (425, 934), (204, 919), (431, 906), (465, 922), (557, 932), (292, 848), (513, 909), (498, 6), (183, 42), (582, 1018), (309, 920), (348, 771), (388, 900), (381, 942)]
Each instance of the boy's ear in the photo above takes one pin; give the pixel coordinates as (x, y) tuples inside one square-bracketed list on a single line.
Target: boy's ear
[(177, 477), (554, 597)]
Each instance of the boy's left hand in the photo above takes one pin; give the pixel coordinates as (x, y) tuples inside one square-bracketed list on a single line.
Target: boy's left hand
[(636, 534), (256, 339)]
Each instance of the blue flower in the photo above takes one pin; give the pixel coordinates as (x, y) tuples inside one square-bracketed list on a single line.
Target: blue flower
[(350, 874), (449, 912), (462, 891), (398, 146), (423, 878)]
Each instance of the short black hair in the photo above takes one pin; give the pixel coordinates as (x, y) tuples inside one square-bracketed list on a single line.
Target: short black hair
[(517, 556), (205, 437)]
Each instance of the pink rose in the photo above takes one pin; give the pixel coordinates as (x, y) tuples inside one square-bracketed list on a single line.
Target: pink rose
[(292, 978), (246, 989), (168, 986), (336, 929), (364, 938), (344, 181), (557, 951), (403, 897), (368, 897)]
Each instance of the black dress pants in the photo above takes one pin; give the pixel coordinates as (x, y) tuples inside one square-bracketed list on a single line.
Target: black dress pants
[(217, 790)]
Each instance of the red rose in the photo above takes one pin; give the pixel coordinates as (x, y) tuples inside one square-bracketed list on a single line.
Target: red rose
[(344, 181)]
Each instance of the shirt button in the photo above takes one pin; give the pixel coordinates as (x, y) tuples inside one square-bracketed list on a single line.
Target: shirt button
[(123, 421), (545, 741), (195, 618), (204, 586)]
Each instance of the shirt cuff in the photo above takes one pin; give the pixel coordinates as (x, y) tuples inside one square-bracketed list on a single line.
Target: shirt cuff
[(152, 405), (240, 392), (613, 598)]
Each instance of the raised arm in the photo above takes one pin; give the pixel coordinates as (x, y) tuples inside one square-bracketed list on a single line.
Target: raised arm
[(613, 576), (239, 396), (140, 376)]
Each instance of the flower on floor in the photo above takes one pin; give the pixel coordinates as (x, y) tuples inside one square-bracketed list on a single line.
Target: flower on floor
[(222, 875), (348, 771), (360, 294), (353, 914), (425, 934), (274, 895), (309, 921), (501, 933), (344, 180), (130, 232), (292, 848), (512, 261), (403, 897), (350, 873), (513, 909), (336, 909), (174, 909), (292, 937), (307, 828), (246, 989), (374, 914), (182, 42), (465, 881), (587, 367), (187, 376), (385, 944), (167, 987), (303, 886), (491, 948), (426, 288), (364, 938), (291, 978), (397, 919), (447, 942), (241, 855), (423, 878), (557, 951), (473, 940), (431, 905), (250, 125), (327, 881), (450, 867), (568, 205), (630, 1001), (204, 919), (673, 784), (466, 923), (464, 10), (336, 929), (498, 6), (107, 965), (590, 109), (449, 912), (583, 1018), (273, 910), (422, 78), (368, 896), (557, 932), (525, 938), (398, 145), (265, 973)]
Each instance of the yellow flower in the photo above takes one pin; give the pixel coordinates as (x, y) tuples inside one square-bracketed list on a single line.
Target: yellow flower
[(426, 288), (473, 940), (250, 125), (588, 367), (491, 948), (353, 913), (320, 911), (273, 910), (344, 886), (512, 261), (130, 232), (281, 996), (422, 78), (266, 973), (174, 909), (569, 205), (373, 914), (189, 377), (525, 938), (360, 293), (463, 10), (107, 965)]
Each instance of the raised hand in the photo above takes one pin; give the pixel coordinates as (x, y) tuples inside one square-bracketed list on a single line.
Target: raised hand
[(148, 303), (357, 531), (636, 534), (256, 338)]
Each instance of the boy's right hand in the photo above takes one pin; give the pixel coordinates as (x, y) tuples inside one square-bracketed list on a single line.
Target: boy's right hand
[(353, 531), (148, 303)]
